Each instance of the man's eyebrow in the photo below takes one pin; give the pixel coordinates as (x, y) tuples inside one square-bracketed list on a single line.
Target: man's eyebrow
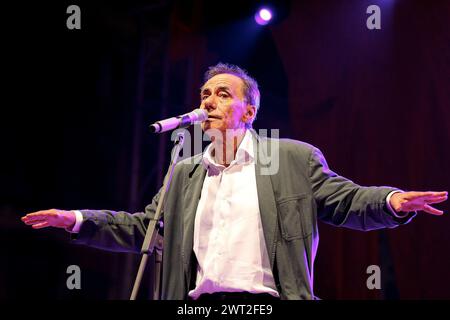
[(203, 90), (221, 88), (224, 88)]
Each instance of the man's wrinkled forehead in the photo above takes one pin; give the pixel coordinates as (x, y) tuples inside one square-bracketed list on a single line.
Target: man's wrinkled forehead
[(224, 80)]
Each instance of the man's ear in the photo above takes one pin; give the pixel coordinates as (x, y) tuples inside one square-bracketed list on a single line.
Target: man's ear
[(250, 113)]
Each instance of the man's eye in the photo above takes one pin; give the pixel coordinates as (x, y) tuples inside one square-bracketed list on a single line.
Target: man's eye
[(223, 95), (204, 97)]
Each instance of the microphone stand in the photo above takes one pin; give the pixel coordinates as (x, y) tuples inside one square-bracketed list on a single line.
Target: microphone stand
[(153, 226)]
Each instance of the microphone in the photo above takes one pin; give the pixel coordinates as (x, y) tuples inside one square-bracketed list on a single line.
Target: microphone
[(183, 121)]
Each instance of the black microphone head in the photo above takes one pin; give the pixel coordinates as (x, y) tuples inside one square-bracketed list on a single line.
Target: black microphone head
[(156, 127)]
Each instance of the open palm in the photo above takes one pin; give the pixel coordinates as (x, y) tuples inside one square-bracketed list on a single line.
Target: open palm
[(418, 201)]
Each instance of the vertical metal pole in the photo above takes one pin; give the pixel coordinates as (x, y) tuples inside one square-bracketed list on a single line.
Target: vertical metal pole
[(157, 275)]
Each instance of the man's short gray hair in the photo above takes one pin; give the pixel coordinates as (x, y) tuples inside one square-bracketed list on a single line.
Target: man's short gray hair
[(251, 91)]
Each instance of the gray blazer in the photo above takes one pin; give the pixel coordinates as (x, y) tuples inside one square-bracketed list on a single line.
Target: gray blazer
[(302, 190)]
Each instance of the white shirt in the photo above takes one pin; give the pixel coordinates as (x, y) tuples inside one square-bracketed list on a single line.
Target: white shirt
[(228, 236)]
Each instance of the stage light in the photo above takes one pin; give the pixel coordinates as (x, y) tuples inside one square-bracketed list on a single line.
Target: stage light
[(263, 16)]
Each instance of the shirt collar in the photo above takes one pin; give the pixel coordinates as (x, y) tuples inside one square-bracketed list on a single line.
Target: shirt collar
[(244, 153)]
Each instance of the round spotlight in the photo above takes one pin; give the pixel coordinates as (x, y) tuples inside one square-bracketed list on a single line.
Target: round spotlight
[(263, 16)]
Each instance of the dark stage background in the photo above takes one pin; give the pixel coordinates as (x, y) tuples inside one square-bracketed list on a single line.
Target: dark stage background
[(78, 102)]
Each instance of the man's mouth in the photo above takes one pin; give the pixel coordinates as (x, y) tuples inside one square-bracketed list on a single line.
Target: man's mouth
[(212, 117)]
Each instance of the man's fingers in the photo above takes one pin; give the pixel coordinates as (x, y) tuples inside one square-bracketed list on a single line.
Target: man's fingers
[(427, 193), (41, 225), (35, 218), (437, 195), (435, 200), (34, 221), (38, 213), (418, 194), (432, 210)]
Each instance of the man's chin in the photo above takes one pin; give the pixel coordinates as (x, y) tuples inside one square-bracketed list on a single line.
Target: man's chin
[(208, 125), (213, 131)]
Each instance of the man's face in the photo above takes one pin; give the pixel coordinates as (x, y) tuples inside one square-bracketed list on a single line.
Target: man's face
[(222, 96)]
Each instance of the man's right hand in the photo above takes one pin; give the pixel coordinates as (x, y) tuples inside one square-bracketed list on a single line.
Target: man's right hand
[(50, 218)]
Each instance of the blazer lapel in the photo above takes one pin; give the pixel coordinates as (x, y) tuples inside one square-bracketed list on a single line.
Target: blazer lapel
[(266, 198), (191, 198)]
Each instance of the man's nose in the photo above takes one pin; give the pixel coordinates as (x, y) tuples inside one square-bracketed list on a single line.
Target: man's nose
[(208, 104)]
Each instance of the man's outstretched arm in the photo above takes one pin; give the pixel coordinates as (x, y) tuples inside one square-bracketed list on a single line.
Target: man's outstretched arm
[(342, 202), (104, 229)]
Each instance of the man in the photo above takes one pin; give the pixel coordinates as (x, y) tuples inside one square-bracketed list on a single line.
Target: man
[(229, 229)]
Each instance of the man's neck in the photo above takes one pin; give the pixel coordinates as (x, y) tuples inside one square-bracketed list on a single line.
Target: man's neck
[(225, 147)]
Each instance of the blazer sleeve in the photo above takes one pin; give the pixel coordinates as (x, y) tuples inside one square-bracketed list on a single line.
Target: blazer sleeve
[(117, 231), (341, 202)]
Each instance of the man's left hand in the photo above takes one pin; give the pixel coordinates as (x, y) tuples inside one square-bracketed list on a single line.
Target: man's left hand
[(415, 200)]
